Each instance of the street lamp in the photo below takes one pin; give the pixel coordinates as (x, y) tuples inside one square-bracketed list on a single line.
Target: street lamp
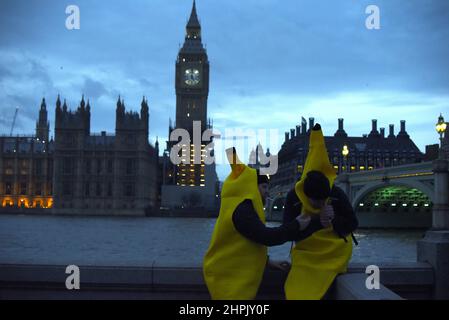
[(345, 152), (441, 128)]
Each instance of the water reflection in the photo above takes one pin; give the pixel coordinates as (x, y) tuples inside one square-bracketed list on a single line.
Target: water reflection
[(130, 241)]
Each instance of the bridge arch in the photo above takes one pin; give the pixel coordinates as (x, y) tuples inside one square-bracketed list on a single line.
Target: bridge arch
[(410, 195), (369, 188), (278, 203), (276, 207)]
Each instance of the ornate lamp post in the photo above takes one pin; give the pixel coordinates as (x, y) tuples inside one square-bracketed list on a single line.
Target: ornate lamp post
[(345, 153), (441, 128), (434, 247)]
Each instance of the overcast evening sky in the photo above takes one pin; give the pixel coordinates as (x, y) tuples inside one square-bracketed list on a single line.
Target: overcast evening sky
[(271, 62)]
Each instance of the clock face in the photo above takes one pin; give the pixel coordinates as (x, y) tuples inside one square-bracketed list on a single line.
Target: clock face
[(191, 77)]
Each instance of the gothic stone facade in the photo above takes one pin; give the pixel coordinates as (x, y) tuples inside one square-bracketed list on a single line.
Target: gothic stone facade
[(104, 174), (26, 168)]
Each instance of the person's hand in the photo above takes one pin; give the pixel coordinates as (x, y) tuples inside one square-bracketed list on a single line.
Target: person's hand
[(304, 220), (278, 265), (326, 216)]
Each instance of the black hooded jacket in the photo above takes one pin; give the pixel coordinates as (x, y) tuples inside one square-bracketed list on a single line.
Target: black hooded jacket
[(344, 222), (247, 222)]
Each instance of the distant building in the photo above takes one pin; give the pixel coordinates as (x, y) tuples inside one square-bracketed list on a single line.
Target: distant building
[(432, 152), (371, 151), (80, 172), (255, 157), (190, 184), (26, 167), (103, 173)]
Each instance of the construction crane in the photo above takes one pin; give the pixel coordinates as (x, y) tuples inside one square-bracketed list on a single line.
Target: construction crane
[(14, 121)]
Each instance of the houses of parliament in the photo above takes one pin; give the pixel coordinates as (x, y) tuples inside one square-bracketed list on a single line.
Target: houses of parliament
[(79, 172)]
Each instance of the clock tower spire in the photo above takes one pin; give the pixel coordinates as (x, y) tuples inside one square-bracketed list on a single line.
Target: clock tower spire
[(193, 29), (192, 77), (192, 90)]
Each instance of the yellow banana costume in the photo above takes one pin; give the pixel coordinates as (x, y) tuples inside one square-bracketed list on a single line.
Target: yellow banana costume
[(233, 265), (318, 259)]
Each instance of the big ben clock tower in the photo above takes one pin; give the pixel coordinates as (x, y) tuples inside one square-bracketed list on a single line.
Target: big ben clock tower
[(192, 89)]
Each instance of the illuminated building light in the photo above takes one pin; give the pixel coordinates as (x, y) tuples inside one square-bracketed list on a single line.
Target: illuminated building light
[(426, 204), (393, 204), (376, 204), (404, 204), (7, 201), (361, 204), (370, 168), (335, 167), (202, 185), (362, 167), (275, 207), (415, 204)]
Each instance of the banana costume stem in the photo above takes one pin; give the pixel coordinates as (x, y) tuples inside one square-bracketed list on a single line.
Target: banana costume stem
[(317, 260)]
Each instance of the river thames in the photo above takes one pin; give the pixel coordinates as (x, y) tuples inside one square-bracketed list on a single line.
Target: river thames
[(145, 241)]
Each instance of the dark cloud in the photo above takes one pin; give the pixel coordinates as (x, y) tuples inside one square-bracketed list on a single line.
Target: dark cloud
[(5, 122), (24, 81), (93, 89), (26, 115), (145, 83), (4, 72), (40, 74)]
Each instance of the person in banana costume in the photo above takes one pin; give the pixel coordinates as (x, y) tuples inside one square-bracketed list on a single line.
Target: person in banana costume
[(235, 261), (323, 251)]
